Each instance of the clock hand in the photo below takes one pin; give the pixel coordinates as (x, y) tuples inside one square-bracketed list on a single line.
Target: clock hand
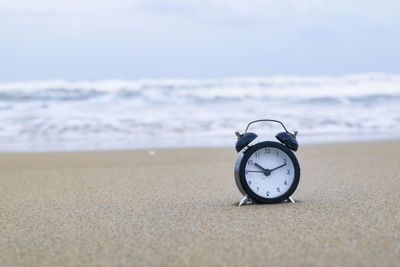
[(259, 166), (278, 167), (265, 171)]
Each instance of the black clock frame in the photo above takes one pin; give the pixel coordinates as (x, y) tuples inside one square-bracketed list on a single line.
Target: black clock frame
[(240, 177)]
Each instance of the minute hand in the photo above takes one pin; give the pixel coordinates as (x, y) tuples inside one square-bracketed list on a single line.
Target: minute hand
[(278, 167)]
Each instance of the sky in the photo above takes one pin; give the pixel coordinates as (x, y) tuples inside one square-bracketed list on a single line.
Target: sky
[(121, 39)]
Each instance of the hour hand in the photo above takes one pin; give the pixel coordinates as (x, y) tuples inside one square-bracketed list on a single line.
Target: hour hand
[(265, 171), (259, 166)]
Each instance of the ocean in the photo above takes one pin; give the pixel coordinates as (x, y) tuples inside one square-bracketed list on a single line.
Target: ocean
[(59, 115)]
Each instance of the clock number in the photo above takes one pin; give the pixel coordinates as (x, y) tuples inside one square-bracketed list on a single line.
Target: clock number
[(267, 151), (278, 190), (285, 183), (277, 153), (267, 194), (257, 188), (284, 161), (288, 172), (249, 182), (257, 153), (250, 162)]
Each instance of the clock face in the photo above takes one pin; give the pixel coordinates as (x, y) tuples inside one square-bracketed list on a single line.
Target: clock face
[(269, 172)]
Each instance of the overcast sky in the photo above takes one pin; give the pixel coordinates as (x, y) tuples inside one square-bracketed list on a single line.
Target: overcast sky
[(94, 39)]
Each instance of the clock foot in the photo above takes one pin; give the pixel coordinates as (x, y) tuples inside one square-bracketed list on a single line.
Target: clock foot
[(290, 199), (243, 201)]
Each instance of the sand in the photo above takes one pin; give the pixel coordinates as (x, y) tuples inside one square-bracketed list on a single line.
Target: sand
[(179, 207)]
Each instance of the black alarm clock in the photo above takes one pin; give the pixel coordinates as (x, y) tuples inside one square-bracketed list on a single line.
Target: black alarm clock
[(267, 172)]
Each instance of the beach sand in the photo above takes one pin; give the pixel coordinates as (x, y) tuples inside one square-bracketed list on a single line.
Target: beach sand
[(178, 207)]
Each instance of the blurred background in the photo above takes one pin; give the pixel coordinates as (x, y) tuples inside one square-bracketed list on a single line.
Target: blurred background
[(87, 75)]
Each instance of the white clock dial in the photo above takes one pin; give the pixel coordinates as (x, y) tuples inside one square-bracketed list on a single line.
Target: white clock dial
[(269, 172)]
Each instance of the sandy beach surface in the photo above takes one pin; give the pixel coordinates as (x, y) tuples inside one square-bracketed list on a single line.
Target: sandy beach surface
[(178, 207)]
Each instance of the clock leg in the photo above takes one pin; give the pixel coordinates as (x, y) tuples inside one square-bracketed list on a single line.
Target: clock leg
[(290, 199), (243, 201)]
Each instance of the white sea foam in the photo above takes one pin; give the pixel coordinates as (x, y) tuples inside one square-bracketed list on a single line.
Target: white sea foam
[(123, 114)]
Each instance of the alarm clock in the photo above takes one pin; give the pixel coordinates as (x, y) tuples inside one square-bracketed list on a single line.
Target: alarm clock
[(267, 172)]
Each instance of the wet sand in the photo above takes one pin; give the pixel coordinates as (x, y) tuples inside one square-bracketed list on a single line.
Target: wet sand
[(179, 207)]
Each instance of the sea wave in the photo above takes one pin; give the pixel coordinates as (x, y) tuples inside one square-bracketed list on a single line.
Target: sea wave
[(118, 114)]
